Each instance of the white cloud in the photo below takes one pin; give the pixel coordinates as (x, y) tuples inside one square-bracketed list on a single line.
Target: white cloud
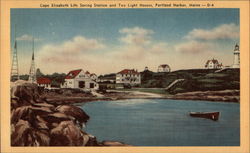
[(159, 48), (137, 52), (130, 53), (137, 44), (27, 37), (136, 36), (79, 44), (137, 49), (193, 47), (200, 41), (70, 52), (80, 52), (224, 31)]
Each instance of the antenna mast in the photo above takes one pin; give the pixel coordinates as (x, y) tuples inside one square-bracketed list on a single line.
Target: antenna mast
[(14, 67), (32, 74)]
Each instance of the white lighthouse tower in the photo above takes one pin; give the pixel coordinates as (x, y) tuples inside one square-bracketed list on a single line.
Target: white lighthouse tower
[(236, 56)]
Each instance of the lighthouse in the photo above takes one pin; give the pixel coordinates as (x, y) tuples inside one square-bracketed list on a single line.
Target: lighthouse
[(236, 56)]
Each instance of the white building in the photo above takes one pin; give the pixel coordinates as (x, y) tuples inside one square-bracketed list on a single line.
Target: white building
[(128, 76), (213, 64), (44, 82), (164, 68), (236, 57), (80, 79), (94, 77)]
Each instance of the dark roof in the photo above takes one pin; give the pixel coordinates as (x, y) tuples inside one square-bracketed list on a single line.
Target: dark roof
[(43, 80), (164, 66), (72, 74), (236, 48), (93, 74), (215, 61), (128, 71), (111, 76)]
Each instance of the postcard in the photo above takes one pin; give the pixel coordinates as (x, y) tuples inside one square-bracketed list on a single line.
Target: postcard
[(124, 76)]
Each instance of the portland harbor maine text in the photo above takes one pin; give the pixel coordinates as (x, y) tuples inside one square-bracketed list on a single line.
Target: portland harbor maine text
[(125, 77)]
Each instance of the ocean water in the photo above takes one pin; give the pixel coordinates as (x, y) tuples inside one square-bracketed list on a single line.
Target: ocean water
[(163, 122)]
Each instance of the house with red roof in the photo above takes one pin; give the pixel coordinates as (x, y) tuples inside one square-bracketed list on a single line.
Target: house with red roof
[(164, 68), (80, 79), (213, 64), (128, 76), (44, 82)]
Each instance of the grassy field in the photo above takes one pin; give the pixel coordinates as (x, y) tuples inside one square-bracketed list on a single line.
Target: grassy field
[(195, 80)]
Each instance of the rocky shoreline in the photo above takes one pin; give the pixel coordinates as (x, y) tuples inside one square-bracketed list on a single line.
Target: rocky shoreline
[(35, 122), (213, 96)]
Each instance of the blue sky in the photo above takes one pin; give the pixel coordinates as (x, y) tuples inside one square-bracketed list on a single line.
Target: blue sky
[(108, 40)]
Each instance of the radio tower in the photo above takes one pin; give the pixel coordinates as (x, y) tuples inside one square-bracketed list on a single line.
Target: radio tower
[(14, 67), (32, 75)]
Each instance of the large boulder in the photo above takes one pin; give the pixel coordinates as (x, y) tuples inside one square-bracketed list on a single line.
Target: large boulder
[(25, 93), (25, 135), (28, 113), (57, 117), (20, 113), (73, 111), (92, 141), (67, 134)]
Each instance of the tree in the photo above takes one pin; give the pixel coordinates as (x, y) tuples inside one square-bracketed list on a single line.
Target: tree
[(39, 73)]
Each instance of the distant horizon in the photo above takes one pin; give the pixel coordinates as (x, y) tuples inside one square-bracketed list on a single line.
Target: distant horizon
[(104, 41)]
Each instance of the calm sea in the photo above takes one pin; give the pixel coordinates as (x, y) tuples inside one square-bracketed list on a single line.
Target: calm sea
[(161, 122)]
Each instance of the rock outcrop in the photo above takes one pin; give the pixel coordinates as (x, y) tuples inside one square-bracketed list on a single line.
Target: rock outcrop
[(79, 115), (34, 122), (221, 96)]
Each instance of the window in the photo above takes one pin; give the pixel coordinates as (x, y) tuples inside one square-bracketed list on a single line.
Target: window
[(91, 85), (81, 84)]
